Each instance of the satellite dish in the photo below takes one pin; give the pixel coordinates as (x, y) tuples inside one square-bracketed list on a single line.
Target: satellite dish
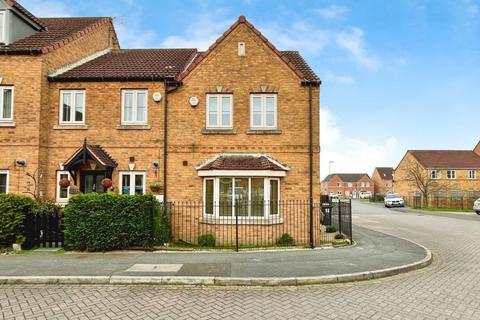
[(193, 101), (157, 96)]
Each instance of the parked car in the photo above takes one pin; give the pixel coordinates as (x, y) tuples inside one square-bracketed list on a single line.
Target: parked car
[(333, 197), (365, 194), (393, 200), (476, 206)]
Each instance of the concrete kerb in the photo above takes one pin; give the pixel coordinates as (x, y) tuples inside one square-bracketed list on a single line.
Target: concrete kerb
[(224, 281)]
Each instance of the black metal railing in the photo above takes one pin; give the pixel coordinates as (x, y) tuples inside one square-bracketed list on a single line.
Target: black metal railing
[(338, 215)]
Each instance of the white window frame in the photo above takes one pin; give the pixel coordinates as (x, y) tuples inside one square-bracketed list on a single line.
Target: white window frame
[(6, 172), (472, 174), (73, 107), (350, 185), (135, 93), (451, 174), (3, 35), (435, 174), (2, 118), (132, 175), (263, 97), (216, 198), (58, 188), (219, 124)]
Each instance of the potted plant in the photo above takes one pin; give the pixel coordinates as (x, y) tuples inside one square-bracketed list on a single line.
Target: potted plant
[(64, 183), (155, 186), (107, 183)]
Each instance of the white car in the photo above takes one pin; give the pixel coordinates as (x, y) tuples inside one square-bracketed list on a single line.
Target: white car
[(365, 194), (476, 206), (393, 200)]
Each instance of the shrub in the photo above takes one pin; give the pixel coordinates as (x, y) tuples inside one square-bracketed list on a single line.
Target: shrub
[(13, 210), (339, 236), (330, 229), (206, 240), (100, 222), (377, 198), (285, 240)]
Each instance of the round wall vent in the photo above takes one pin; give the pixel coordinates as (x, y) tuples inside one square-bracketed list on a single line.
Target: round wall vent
[(193, 101)]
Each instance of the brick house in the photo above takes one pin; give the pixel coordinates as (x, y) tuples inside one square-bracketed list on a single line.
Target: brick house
[(383, 180), (238, 121), (348, 185), (451, 174)]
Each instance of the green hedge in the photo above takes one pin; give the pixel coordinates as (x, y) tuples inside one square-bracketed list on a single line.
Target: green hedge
[(13, 210), (100, 222)]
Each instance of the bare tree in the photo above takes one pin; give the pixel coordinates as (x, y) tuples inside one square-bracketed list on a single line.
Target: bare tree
[(33, 186), (421, 178)]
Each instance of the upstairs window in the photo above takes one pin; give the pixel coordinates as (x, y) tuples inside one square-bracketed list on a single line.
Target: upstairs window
[(6, 104), (263, 111), (134, 107), (451, 174), (472, 174), (219, 111), (72, 107), (3, 29), (435, 174)]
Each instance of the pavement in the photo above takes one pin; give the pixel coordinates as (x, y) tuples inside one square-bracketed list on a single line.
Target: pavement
[(448, 289), (374, 255)]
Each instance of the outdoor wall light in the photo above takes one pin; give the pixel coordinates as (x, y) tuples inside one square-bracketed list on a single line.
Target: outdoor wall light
[(131, 163), (21, 163)]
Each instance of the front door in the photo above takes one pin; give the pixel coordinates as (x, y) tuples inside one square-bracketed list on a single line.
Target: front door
[(91, 181)]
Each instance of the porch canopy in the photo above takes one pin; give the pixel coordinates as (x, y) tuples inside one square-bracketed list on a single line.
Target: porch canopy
[(242, 164), (90, 154)]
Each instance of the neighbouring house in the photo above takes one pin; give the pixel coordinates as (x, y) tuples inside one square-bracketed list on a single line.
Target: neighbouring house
[(239, 121), (439, 176), (383, 180), (348, 185)]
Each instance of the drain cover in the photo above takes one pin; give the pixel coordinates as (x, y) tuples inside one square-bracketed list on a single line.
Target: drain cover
[(155, 268)]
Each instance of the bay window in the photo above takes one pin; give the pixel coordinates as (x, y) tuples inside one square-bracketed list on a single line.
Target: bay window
[(6, 104), (219, 111), (254, 197), (132, 183), (134, 107), (72, 107), (263, 111)]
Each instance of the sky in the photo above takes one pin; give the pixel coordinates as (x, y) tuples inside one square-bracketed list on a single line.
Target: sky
[(396, 75)]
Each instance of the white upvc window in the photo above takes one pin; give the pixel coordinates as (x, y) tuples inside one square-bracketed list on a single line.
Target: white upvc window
[(4, 181), (62, 193), (219, 111), (72, 107), (134, 107), (451, 174), (350, 185), (263, 111), (3, 29), (363, 184), (6, 103), (435, 174), (472, 174), (367, 184), (245, 197), (132, 182)]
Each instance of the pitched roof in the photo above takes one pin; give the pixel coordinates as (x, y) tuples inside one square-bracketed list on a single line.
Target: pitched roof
[(385, 173), (346, 177), (59, 32), (298, 67), (447, 159), (242, 162), (14, 4), (133, 64), (96, 152), (297, 60)]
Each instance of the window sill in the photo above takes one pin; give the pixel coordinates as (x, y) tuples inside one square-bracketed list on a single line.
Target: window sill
[(8, 124), (264, 131), (219, 131), (241, 220), (70, 127), (133, 127)]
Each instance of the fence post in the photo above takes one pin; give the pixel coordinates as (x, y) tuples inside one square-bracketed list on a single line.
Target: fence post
[(312, 245), (236, 231), (340, 216), (351, 228)]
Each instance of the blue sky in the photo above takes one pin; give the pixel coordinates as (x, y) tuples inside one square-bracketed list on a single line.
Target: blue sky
[(396, 75)]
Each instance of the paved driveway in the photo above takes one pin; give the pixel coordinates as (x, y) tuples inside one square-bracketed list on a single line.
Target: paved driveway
[(449, 289)]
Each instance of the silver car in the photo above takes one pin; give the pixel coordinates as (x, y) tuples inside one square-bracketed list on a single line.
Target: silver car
[(393, 200), (476, 206)]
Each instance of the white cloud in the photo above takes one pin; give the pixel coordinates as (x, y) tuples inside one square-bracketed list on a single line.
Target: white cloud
[(332, 12), (331, 77), (350, 154), (204, 29), (353, 42), (48, 8)]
